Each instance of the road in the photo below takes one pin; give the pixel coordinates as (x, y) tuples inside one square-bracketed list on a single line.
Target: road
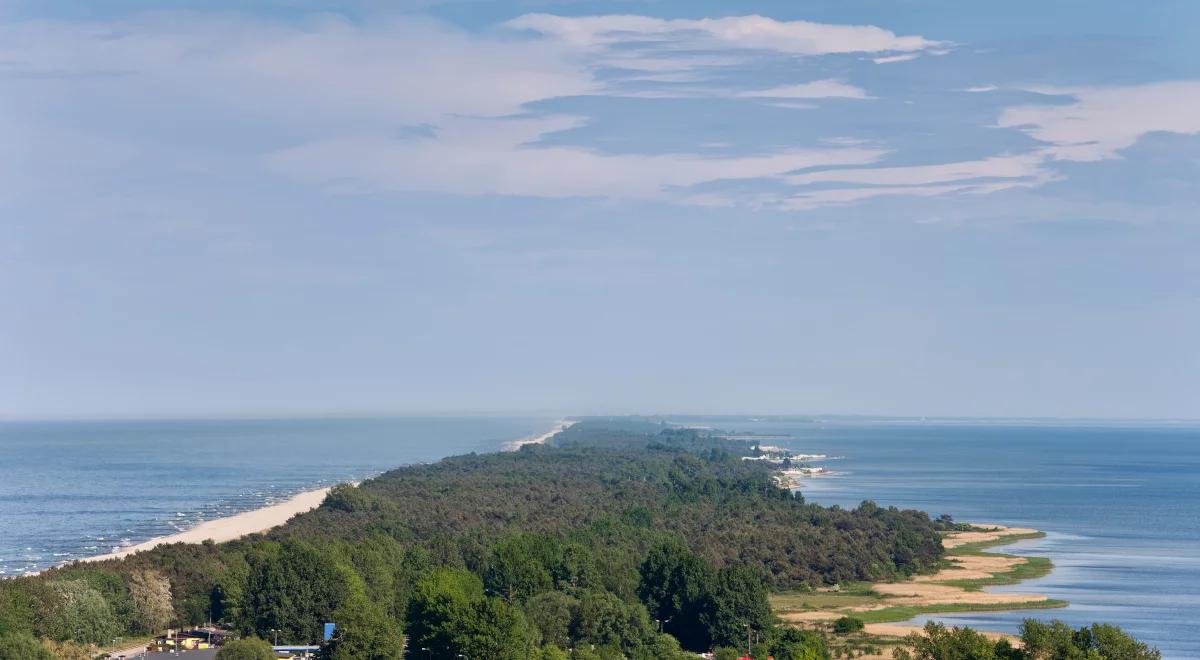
[(205, 654)]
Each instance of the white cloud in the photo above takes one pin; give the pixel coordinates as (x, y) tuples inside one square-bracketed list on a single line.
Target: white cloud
[(737, 32), (978, 89), (817, 89), (400, 70), (986, 175), (793, 105), (892, 59), (479, 156), (1101, 121), (1016, 168)]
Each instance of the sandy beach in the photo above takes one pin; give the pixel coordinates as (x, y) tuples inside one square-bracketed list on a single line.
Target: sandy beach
[(942, 588), (260, 520), (540, 438), (231, 527)]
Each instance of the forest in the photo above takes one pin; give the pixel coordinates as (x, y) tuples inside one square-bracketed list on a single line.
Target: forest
[(622, 538)]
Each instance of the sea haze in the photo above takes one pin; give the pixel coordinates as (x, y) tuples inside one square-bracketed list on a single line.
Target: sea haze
[(77, 489), (1120, 504)]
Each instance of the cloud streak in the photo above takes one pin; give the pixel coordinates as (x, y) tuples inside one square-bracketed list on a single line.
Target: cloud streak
[(478, 157), (1101, 121), (817, 89), (733, 32)]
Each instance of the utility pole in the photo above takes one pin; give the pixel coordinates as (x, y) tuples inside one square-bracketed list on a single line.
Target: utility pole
[(747, 640)]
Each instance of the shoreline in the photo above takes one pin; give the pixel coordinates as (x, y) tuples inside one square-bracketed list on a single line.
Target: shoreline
[(539, 439), (255, 521), (228, 528), (956, 588)]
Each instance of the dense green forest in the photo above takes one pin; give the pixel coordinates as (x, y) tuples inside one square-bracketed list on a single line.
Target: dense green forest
[(624, 538)]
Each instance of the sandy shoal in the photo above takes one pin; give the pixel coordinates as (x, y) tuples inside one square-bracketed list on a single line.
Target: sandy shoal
[(924, 590), (990, 533)]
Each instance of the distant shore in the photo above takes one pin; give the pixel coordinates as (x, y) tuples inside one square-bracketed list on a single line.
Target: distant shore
[(230, 527), (540, 438)]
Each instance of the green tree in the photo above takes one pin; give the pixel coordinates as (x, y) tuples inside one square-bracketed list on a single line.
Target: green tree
[(112, 589), (495, 630), (789, 643), (441, 602), (78, 612), (551, 652), (550, 614), (663, 647), (17, 607), (364, 632), (941, 643), (293, 588), (735, 600), (1112, 643), (1058, 641), (520, 566), (23, 646), (250, 648), (605, 620), (675, 587), (151, 595)]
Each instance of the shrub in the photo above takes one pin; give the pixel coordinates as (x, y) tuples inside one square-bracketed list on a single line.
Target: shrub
[(847, 625)]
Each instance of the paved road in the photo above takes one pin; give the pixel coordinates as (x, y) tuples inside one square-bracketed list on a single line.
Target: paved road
[(205, 654)]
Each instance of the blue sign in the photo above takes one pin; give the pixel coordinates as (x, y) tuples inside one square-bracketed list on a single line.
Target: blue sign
[(329, 628)]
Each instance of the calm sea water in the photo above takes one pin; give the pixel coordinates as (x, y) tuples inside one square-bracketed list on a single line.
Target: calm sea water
[(76, 489), (1120, 505)]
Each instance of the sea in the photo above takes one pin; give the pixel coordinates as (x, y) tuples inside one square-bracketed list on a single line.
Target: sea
[(74, 489), (1119, 502)]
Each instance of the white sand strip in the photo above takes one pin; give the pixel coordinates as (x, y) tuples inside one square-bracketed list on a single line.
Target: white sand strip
[(232, 527), (538, 439)]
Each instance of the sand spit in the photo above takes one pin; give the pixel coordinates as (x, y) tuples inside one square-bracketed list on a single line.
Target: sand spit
[(540, 438), (929, 590)]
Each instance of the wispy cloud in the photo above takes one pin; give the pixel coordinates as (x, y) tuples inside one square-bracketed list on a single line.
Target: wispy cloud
[(342, 99), (839, 186), (1101, 121), (1028, 167), (481, 156), (892, 59), (817, 89), (736, 32)]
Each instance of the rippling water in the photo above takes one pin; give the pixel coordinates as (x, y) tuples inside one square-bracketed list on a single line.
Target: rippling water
[(76, 489), (1120, 504)]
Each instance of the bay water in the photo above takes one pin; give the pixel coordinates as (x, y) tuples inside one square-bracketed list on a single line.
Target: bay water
[(1119, 502)]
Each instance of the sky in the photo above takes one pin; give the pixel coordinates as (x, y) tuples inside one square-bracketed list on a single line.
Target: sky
[(892, 207)]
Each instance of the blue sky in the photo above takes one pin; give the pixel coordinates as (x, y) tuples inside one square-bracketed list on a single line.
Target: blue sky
[(896, 207)]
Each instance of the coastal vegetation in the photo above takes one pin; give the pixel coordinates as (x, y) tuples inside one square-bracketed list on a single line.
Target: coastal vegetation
[(1039, 641), (621, 539), (967, 567)]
